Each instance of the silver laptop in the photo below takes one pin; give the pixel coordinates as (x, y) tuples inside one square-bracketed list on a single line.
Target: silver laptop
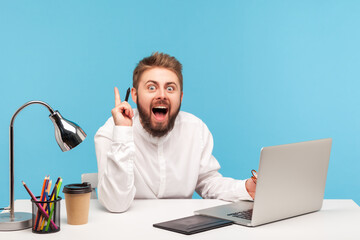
[(291, 182)]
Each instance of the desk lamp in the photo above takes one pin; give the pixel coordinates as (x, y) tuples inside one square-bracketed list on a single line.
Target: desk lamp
[(67, 134)]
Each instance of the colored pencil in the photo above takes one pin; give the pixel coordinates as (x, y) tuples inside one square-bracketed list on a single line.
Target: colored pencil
[(46, 205), (38, 213), (58, 190), (58, 186), (55, 188), (43, 198), (44, 191), (47, 194), (39, 206)]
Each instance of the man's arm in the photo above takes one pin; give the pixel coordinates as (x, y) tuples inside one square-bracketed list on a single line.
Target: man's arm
[(115, 153), (211, 184)]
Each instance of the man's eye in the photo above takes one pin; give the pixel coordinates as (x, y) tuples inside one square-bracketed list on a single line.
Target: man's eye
[(152, 87), (170, 88)]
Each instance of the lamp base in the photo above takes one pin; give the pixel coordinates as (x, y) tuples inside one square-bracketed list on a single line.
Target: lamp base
[(22, 220)]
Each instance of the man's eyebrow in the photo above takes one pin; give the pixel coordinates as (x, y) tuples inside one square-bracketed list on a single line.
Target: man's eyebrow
[(168, 83), (151, 81)]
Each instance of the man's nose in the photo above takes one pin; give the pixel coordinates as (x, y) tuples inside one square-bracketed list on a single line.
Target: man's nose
[(161, 94)]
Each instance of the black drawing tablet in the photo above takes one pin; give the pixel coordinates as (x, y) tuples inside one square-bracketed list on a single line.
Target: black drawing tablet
[(193, 224)]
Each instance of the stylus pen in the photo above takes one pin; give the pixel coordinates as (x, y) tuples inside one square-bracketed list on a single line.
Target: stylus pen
[(127, 95)]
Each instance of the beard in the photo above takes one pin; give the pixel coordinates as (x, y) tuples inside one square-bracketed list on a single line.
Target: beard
[(156, 129)]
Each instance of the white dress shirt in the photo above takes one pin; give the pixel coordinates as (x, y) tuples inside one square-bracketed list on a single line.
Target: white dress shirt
[(134, 164)]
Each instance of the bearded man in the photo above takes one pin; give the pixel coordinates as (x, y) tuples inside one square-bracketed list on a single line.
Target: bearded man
[(156, 150)]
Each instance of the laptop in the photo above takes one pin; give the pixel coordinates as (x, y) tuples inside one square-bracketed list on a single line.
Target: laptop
[(291, 182)]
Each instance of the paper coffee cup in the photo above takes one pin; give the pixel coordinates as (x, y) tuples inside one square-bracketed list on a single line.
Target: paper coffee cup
[(77, 201)]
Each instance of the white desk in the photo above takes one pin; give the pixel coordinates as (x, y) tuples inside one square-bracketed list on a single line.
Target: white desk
[(338, 219)]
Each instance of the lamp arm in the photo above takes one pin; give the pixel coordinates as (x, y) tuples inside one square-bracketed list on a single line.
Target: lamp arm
[(12, 150), (27, 104)]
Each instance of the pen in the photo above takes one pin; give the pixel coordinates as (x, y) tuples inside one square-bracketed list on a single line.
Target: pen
[(39, 205), (254, 176), (127, 95)]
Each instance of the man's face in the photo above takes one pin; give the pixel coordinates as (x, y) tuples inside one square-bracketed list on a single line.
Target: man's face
[(158, 99)]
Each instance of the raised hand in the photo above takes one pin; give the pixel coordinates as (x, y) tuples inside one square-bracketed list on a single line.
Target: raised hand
[(122, 112)]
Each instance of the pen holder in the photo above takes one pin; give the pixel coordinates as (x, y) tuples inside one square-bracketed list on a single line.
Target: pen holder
[(40, 222)]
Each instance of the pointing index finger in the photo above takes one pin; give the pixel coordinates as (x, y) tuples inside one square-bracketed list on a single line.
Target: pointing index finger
[(117, 96)]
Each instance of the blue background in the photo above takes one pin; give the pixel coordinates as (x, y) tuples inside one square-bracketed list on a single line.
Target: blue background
[(258, 73)]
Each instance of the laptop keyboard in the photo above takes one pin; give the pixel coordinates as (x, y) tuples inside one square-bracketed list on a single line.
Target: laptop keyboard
[(244, 214)]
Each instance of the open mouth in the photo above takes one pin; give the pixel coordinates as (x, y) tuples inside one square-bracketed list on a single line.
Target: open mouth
[(160, 112)]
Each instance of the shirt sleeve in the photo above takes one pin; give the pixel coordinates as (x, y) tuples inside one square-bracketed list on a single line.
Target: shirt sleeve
[(211, 184), (115, 153)]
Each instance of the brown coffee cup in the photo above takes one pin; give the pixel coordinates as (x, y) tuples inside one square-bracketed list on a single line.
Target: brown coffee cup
[(77, 200)]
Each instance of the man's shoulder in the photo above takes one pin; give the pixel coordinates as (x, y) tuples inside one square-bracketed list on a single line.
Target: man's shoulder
[(107, 128), (185, 117), (189, 123)]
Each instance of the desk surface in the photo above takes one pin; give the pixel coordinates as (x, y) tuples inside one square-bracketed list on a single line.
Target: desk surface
[(338, 219)]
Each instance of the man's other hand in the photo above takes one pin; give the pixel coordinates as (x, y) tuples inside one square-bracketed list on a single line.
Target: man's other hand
[(250, 187), (122, 112)]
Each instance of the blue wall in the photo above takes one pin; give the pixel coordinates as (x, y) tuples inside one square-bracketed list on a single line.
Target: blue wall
[(258, 73)]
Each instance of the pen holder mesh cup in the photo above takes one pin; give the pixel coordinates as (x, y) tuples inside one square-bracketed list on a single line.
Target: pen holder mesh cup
[(40, 222)]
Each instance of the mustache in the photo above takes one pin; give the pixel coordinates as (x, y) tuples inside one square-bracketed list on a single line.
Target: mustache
[(160, 102)]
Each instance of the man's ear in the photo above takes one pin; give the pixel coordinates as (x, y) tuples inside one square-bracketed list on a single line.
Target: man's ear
[(182, 93), (134, 94)]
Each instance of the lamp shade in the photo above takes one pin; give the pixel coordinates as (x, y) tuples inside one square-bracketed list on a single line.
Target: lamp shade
[(68, 134)]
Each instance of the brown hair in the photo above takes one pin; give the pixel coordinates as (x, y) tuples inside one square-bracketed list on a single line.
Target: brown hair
[(161, 60)]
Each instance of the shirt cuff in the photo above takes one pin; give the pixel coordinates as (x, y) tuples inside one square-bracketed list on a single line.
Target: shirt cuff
[(123, 134)]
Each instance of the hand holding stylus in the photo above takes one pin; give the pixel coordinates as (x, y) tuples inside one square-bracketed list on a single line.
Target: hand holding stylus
[(250, 184), (122, 112)]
